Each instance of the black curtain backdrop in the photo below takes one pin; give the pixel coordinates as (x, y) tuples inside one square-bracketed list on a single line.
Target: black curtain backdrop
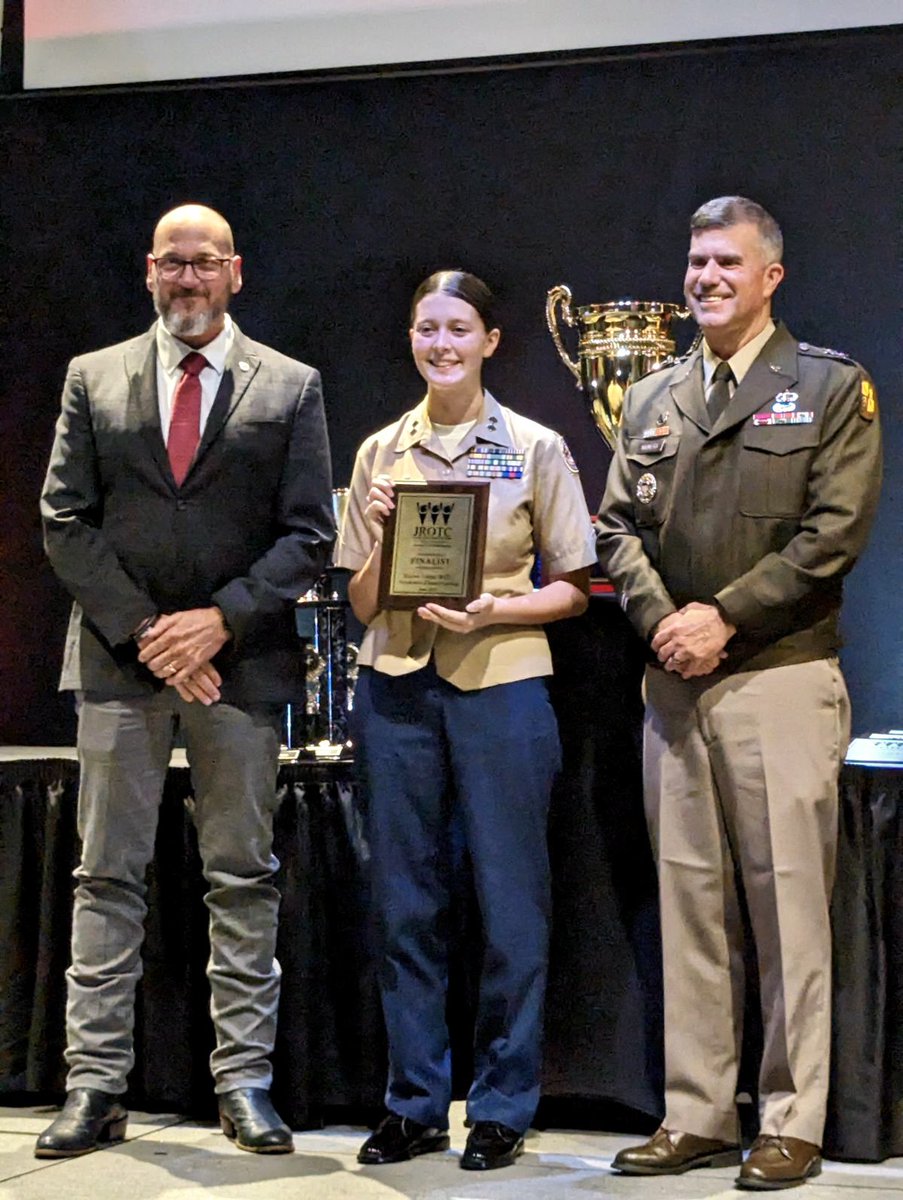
[(344, 193)]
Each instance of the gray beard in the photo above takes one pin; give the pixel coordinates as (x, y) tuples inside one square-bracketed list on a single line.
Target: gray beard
[(189, 324)]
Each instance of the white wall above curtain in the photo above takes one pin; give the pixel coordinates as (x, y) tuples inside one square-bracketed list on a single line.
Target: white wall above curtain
[(73, 43)]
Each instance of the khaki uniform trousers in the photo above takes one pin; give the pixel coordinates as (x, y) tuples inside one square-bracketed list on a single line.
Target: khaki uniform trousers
[(741, 800)]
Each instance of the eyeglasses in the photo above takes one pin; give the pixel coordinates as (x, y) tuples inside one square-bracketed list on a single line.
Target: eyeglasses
[(205, 267)]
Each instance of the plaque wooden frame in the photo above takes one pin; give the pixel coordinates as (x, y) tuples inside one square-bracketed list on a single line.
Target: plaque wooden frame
[(428, 518)]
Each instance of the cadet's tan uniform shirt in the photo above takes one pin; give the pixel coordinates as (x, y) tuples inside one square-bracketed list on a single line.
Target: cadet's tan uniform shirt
[(542, 512)]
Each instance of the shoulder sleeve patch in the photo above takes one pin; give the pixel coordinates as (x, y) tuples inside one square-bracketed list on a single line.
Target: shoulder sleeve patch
[(868, 400), (568, 457)]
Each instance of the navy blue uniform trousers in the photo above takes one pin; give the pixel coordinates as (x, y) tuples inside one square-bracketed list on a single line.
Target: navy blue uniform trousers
[(430, 754)]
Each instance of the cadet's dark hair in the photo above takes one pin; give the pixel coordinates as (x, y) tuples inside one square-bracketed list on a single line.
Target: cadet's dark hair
[(465, 287), (725, 211)]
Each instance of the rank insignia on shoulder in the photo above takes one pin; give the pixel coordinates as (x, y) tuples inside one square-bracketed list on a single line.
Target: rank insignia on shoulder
[(825, 352), (568, 457), (646, 487), (868, 400)]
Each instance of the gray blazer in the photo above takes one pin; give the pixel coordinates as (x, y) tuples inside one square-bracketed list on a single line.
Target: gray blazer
[(249, 530)]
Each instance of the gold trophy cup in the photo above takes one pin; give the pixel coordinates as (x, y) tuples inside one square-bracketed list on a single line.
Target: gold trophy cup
[(618, 342)]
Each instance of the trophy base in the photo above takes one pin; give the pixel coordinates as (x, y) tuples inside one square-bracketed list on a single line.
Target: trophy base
[(326, 751), (317, 752)]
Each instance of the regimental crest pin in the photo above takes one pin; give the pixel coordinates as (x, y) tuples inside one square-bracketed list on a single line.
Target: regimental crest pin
[(785, 402), (646, 487)]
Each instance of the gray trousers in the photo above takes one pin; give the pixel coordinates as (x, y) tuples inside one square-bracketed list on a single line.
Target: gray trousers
[(124, 748), (741, 800)]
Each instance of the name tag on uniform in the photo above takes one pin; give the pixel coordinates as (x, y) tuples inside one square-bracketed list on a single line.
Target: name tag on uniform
[(783, 418), (650, 445), (488, 462)]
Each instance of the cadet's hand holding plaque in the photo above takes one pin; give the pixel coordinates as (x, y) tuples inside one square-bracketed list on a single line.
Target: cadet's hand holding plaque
[(380, 502), (476, 615)]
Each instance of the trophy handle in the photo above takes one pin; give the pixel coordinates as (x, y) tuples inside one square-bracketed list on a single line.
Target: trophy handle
[(561, 292)]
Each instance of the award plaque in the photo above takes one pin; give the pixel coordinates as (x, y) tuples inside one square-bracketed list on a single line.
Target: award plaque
[(434, 543)]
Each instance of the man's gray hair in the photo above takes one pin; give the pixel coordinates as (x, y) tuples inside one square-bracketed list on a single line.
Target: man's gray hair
[(725, 211)]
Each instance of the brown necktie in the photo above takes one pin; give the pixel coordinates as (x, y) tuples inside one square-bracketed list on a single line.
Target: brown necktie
[(185, 422), (720, 393)]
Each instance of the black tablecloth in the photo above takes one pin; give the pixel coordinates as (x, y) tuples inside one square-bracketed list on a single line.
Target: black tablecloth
[(603, 1061), (330, 1050), (865, 1110)]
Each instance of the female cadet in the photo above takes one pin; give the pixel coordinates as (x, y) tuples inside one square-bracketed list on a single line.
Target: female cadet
[(451, 709)]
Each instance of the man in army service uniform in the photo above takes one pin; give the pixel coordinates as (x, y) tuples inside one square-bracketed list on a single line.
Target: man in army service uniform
[(741, 493)]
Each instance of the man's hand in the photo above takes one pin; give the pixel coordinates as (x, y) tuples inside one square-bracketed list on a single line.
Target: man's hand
[(203, 685), (177, 644), (691, 642), (479, 612)]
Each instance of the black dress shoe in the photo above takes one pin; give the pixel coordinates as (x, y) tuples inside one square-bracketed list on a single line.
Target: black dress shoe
[(399, 1138), (89, 1119), (669, 1152), (489, 1145), (248, 1118)]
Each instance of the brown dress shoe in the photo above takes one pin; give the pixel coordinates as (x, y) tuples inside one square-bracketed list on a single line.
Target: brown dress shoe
[(779, 1162), (671, 1153)]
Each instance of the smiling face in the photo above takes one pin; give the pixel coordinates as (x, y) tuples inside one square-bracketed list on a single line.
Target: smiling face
[(193, 309), (449, 342), (729, 284)]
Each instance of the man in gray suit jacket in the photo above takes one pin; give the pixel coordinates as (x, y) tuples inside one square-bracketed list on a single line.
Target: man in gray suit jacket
[(187, 505)]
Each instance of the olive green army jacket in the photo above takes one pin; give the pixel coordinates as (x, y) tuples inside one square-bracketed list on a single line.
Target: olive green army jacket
[(763, 512)]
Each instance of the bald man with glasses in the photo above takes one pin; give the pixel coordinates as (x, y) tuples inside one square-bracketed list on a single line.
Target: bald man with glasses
[(186, 507)]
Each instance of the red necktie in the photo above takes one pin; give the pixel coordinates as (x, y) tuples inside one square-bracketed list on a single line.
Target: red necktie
[(185, 422)]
